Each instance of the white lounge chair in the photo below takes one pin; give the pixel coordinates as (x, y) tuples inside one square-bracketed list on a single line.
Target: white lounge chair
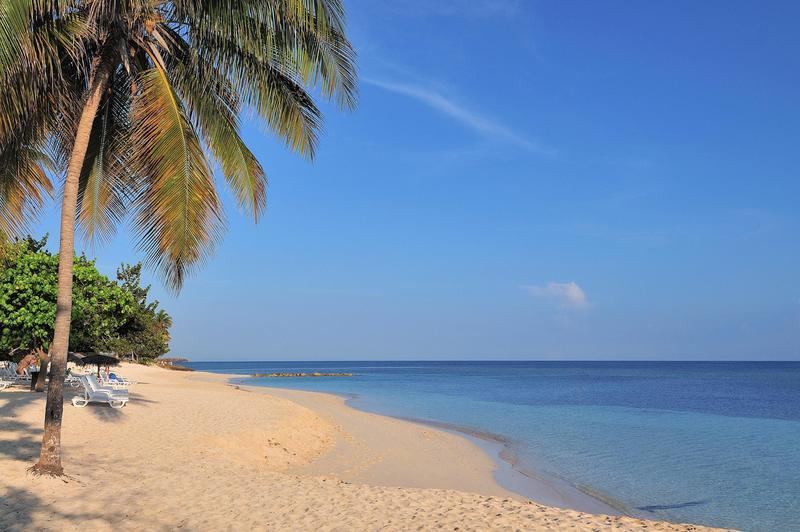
[(5, 383), (98, 385), (94, 393), (9, 373), (73, 379), (115, 381)]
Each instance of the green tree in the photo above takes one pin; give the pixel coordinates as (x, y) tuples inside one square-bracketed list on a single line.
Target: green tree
[(145, 335), (27, 297), (134, 96), (28, 287), (100, 309)]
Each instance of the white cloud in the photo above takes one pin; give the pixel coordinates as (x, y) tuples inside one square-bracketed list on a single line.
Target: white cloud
[(467, 117), (566, 295)]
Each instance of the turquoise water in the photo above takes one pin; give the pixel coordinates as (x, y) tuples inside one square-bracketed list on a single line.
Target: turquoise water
[(711, 443)]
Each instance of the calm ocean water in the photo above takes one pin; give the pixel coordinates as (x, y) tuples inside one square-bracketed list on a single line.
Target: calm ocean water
[(714, 443)]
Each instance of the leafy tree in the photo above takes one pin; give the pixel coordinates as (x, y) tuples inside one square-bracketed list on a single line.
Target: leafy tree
[(100, 309), (28, 286), (27, 297), (145, 335), (134, 96)]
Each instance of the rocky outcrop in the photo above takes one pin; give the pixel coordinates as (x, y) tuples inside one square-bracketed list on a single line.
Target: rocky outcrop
[(314, 374)]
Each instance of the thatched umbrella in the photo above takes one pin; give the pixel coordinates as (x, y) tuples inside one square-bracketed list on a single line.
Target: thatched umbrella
[(75, 357), (98, 359)]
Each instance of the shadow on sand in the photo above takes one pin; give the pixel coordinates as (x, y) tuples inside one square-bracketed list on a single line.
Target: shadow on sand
[(21, 442)]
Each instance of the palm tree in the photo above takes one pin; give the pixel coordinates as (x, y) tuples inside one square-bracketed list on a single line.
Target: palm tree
[(130, 100)]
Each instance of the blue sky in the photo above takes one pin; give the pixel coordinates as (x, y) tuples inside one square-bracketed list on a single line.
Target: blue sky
[(532, 180)]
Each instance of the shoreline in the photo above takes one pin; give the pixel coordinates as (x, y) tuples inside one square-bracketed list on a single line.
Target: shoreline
[(538, 486), (193, 451), (470, 470)]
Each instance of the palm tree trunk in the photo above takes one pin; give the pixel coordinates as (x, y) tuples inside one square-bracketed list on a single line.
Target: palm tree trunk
[(50, 457), (44, 359)]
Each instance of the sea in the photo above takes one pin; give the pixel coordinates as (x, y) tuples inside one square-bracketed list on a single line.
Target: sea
[(715, 443)]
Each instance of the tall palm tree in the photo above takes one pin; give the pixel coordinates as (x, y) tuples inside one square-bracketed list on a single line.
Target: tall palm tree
[(130, 100)]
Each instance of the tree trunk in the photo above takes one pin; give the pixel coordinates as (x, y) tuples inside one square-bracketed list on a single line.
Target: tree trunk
[(50, 456), (44, 359)]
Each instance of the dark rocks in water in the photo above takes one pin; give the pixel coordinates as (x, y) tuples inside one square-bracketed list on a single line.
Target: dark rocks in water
[(314, 374), (176, 367)]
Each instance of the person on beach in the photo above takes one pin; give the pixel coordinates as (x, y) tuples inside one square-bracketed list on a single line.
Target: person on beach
[(27, 360)]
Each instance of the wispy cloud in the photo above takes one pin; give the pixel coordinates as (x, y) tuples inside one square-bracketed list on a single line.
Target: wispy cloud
[(472, 119), (566, 295)]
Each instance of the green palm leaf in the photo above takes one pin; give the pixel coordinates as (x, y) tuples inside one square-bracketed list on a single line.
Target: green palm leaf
[(24, 185), (15, 17), (182, 72), (105, 181), (214, 106), (179, 217)]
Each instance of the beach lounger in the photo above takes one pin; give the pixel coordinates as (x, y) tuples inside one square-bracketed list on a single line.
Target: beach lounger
[(9, 373), (97, 385), (115, 381), (7, 370), (72, 380), (94, 393)]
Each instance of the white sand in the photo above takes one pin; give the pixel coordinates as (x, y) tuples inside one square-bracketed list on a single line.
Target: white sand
[(192, 452)]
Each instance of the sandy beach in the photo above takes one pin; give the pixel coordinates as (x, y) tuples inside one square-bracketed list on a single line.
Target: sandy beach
[(191, 451)]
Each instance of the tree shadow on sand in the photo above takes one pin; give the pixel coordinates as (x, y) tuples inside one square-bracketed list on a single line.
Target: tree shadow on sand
[(27, 439), (104, 412), (91, 499), (27, 503), (20, 507)]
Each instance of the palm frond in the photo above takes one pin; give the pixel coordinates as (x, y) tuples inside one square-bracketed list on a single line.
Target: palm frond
[(214, 107), (288, 110), (303, 37), (105, 181), (183, 71), (179, 216), (326, 62), (15, 16), (50, 58), (24, 184), (268, 89)]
